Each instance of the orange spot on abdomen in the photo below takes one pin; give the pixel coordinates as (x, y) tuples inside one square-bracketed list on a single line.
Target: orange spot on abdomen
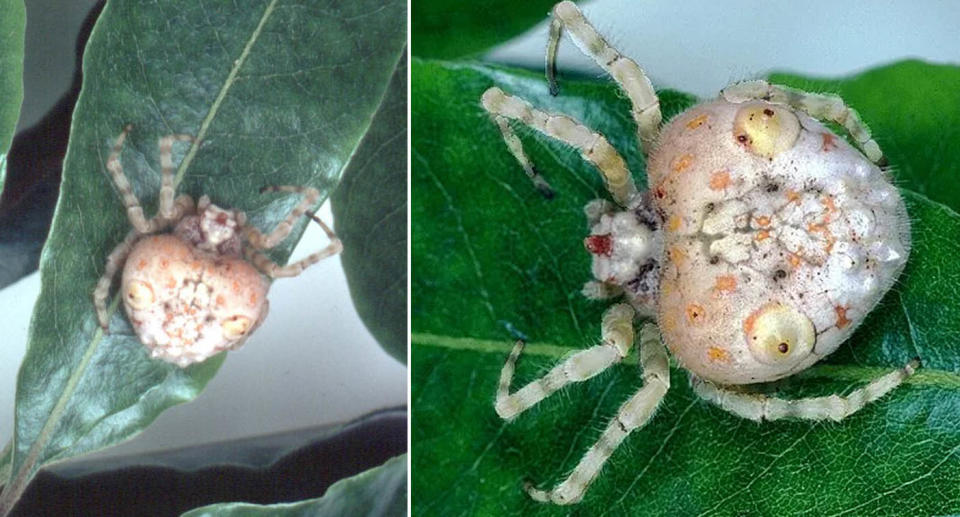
[(697, 122), (681, 163), (725, 283), (718, 355), (695, 313), (719, 180)]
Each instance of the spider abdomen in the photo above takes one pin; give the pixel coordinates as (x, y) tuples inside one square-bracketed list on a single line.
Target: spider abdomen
[(770, 219), (185, 304)]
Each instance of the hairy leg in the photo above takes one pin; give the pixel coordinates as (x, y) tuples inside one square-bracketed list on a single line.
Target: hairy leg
[(633, 414), (819, 106), (593, 147), (617, 335), (623, 70), (757, 407)]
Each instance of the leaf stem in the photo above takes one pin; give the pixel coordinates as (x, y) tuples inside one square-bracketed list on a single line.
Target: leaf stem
[(231, 77)]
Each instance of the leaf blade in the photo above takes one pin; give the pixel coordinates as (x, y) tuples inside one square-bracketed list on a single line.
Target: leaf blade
[(163, 67)]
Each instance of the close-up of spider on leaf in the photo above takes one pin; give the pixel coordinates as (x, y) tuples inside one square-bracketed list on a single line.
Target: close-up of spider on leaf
[(638, 301), (763, 243)]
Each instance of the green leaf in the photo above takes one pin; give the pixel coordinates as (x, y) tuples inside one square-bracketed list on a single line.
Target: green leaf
[(442, 31), (12, 26), (380, 491), (276, 91), (370, 209), (493, 261), (913, 109)]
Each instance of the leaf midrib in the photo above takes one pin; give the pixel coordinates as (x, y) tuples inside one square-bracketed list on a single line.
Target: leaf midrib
[(923, 377)]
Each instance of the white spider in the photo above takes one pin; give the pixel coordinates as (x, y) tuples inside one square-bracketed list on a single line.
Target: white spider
[(197, 291), (763, 242)]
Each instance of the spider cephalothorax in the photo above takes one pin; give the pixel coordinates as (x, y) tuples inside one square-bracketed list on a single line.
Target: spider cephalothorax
[(199, 290), (764, 240)]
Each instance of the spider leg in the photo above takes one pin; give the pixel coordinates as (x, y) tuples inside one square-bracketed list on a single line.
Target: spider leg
[(617, 332), (758, 407), (114, 261), (130, 201), (623, 70), (633, 414), (593, 147), (274, 270), (819, 106), (261, 241), (167, 207)]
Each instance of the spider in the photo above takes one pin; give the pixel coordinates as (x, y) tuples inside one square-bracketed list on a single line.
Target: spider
[(199, 290), (762, 243)]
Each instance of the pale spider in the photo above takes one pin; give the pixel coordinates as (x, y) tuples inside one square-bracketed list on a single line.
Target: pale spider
[(197, 291), (764, 240)]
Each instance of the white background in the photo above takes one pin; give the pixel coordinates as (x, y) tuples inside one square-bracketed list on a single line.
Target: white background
[(311, 363), (701, 46)]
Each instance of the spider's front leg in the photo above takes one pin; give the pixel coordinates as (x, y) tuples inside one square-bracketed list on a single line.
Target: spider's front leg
[(593, 147), (625, 71), (758, 407), (169, 209), (259, 241)]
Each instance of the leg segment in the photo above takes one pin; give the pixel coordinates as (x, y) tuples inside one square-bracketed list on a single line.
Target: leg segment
[(617, 332), (819, 106), (593, 147), (635, 413), (130, 201), (165, 145), (626, 72), (759, 407), (274, 270), (114, 261), (310, 196)]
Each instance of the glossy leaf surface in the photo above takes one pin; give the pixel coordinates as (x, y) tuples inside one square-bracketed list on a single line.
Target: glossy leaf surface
[(494, 261), (276, 91), (370, 210)]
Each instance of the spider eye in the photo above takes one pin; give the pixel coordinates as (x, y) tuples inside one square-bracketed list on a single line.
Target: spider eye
[(778, 333), (235, 326), (138, 294), (766, 129)]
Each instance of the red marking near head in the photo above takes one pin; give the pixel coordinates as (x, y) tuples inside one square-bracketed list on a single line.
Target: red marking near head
[(599, 244), (221, 218)]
